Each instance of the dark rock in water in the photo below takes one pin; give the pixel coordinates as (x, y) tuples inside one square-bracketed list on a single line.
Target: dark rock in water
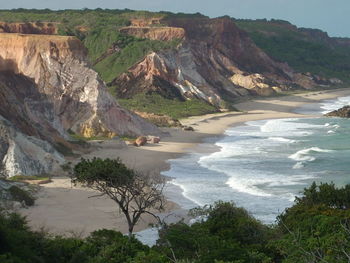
[(188, 128), (343, 112)]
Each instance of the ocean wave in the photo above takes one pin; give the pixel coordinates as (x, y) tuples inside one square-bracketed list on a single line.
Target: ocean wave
[(303, 155), (246, 186), (288, 127)]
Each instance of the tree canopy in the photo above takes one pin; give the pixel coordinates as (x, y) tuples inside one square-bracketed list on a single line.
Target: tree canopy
[(135, 193)]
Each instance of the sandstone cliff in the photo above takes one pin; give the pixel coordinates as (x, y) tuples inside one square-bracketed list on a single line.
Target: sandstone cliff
[(48, 88), (216, 60)]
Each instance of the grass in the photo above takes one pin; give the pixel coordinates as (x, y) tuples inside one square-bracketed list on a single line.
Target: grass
[(30, 178), (174, 108)]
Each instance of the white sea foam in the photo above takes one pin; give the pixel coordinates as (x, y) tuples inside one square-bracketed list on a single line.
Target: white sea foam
[(281, 139), (330, 132), (299, 165), (331, 105)]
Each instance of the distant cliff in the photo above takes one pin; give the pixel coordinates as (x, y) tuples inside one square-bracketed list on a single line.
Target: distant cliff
[(216, 61)]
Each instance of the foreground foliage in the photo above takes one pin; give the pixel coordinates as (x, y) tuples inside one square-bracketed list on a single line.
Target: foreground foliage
[(315, 229)]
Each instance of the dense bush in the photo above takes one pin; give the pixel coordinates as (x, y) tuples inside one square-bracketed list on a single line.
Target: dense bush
[(229, 233), (174, 108)]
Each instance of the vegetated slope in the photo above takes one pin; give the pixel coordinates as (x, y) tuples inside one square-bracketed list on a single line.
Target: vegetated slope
[(48, 89), (305, 50)]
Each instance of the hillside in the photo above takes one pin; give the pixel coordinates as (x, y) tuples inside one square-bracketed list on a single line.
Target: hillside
[(305, 50), (182, 65)]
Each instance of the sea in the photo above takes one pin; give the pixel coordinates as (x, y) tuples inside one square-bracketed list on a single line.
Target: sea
[(263, 165)]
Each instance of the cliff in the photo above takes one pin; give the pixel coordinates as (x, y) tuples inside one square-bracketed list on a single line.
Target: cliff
[(48, 88), (216, 60), (155, 33), (58, 67)]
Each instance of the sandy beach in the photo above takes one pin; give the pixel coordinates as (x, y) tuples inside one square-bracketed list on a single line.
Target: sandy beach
[(63, 209)]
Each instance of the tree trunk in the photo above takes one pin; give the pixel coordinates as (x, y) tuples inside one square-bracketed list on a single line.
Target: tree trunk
[(131, 229)]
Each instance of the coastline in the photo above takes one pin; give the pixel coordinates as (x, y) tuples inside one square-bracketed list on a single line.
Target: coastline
[(64, 210)]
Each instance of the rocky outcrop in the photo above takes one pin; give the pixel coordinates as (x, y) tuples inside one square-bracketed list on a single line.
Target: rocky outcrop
[(216, 60), (26, 155), (46, 89), (342, 113), (155, 33), (143, 22), (43, 28)]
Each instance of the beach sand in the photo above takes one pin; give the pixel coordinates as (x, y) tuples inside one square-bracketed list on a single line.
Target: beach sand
[(63, 209)]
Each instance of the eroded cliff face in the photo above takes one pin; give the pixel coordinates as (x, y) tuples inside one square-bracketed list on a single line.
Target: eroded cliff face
[(215, 61), (58, 67), (44, 28), (48, 88)]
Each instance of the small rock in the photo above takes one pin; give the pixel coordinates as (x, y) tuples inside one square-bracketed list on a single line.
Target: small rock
[(153, 139), (140, 141)]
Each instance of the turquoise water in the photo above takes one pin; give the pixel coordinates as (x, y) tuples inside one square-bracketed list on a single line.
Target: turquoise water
[(263, 165)]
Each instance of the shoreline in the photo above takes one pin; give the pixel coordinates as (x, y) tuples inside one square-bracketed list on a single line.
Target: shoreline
[(64, 210)]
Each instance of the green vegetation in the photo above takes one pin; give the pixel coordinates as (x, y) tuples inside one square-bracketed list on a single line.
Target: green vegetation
[(21, 195), (302, 51), (315, 229), (174, 108)]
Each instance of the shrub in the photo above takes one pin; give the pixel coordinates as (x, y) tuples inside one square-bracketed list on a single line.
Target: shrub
[(21, 195)]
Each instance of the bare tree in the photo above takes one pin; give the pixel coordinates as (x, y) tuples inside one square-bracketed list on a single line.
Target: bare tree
[(134, 193)]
